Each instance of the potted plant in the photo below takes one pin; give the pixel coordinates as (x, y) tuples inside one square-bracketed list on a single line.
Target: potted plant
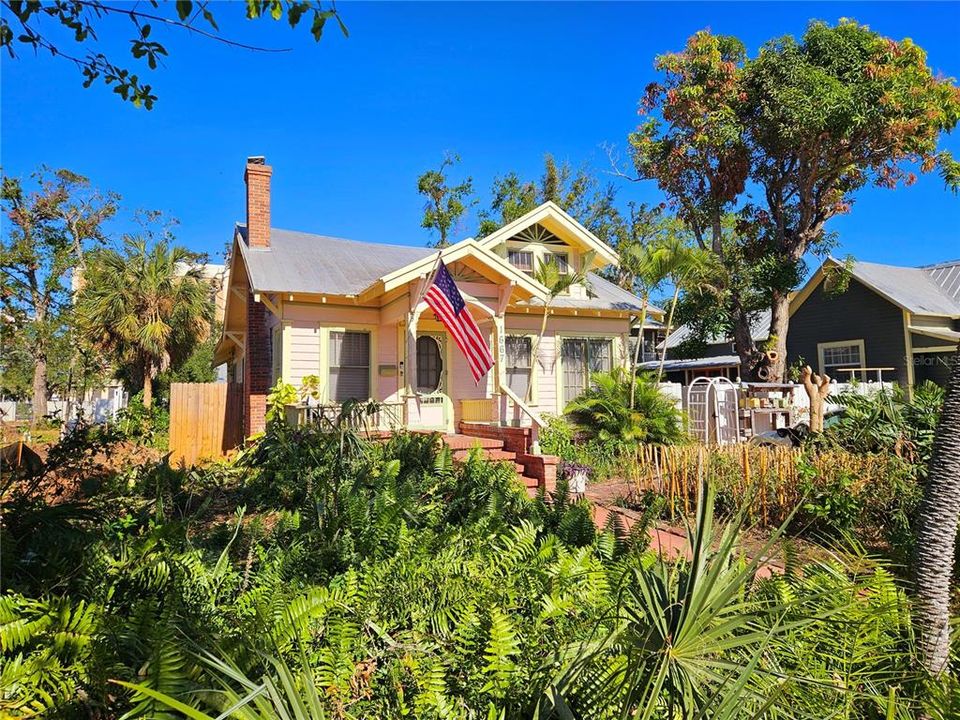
[(576, 474)]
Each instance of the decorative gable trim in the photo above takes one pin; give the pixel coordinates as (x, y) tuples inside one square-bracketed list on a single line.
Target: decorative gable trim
[(465, 250), (554, 219)]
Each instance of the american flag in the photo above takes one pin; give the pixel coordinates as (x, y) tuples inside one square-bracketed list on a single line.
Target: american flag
[(447, 302)]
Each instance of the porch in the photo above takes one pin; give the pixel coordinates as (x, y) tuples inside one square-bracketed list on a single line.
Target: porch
[(495, 442)]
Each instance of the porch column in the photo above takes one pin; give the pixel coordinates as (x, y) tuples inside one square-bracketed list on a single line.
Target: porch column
[(499, 372), (410, 363)]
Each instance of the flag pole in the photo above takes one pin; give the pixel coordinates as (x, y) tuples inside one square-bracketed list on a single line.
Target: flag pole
[(429, 282)]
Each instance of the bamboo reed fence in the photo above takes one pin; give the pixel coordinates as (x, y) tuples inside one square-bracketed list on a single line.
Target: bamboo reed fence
[(770, 482)]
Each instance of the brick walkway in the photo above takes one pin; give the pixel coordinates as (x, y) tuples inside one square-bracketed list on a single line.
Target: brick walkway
[(666, 540)]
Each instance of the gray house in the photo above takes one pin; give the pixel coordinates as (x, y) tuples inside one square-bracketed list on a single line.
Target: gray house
[(891, 323), (896, 323)]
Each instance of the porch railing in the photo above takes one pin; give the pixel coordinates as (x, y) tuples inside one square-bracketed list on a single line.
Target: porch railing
[(483, 410), (379, 417)]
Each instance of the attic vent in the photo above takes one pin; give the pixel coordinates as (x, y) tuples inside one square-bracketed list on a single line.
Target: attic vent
[(536, 233)]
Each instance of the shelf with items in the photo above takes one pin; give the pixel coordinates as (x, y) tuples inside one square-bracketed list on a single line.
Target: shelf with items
[(766, 406)]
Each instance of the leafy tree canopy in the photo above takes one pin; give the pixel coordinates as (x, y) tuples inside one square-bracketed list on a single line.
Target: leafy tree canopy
[(802, 127), (576, 190), (446, 204), (49, 229), (82, 19)]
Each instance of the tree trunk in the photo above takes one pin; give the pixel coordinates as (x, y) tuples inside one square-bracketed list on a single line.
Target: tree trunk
[(663, 353), (779, 326), (636, 352), (937, 533), (148, 384), (39, 388), (817, 390), (743, 341)]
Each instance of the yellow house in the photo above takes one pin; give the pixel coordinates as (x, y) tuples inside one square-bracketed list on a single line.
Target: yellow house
[(351, 314)]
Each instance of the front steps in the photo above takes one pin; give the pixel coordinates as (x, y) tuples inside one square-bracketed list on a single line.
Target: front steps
[(492, 449)]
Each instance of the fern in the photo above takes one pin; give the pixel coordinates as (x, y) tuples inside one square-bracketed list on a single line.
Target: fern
[(502, 647)]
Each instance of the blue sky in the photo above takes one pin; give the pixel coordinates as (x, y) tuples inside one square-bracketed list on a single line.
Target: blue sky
[(349, 124)]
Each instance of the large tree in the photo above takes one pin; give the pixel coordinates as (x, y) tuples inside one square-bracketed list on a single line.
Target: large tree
[(446, 204), (576, 190), (60, 26), (803, 126), (49, 230), (937, 530), (147, 307)]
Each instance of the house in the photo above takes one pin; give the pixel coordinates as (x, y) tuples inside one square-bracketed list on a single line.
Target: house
[(855, 320), (890, 322), (352, 314)]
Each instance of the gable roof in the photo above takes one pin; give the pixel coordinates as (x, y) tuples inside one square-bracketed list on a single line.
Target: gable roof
[(557, 221), (932, 290), (469, 250), (298, 262)]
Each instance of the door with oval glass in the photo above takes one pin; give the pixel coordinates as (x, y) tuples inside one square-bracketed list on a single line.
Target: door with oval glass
[(431, 363), (430, 411)]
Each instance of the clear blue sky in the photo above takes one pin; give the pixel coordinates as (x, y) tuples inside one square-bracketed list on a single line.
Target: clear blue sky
[(349, 124)]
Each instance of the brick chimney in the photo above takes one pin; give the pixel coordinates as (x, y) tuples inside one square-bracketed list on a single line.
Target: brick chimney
[(257, 179)]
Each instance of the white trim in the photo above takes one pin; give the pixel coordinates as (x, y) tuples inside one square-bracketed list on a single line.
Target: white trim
[(841, 343), (615, 352), (935, 349), (325, 330)]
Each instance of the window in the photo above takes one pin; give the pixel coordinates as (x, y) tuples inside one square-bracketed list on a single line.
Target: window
[(580, 358), (349, 365), (563, 262), (429, 364), (519, 363), (276, 353), (835, 356), (522, 260)]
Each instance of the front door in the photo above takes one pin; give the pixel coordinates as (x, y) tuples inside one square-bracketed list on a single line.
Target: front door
[(431, 408), (431, 363)]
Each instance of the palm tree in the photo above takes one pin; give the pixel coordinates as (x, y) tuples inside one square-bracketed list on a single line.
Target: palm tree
[(145, 307), (557, 281), (646, 271), (685, 266), (937, 532)]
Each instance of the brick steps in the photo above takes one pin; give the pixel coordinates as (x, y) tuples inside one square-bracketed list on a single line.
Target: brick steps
[(492, 449)]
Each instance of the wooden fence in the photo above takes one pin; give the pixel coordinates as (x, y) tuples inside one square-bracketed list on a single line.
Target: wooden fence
[(206, 421)]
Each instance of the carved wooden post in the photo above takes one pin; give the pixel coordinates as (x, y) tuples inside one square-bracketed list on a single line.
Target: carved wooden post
[(817, 390)]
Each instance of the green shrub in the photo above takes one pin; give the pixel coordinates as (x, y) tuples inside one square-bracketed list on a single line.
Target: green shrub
[(604, 412)]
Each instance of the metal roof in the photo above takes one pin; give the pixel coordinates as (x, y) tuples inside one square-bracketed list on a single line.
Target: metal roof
[(916, 289), (298, 262), (720, 361), (604, 295), (947, 277), (759, 331)]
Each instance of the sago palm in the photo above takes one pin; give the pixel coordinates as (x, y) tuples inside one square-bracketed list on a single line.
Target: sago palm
[(603, 410), (145, 306)]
